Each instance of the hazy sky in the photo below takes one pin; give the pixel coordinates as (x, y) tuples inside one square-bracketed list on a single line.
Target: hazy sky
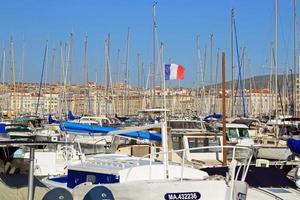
[(178, 24)]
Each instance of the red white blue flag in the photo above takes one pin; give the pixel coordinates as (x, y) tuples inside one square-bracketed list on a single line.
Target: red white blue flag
[(174, 71)]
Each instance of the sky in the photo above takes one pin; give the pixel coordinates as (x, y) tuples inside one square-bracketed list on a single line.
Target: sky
[(179, 22)]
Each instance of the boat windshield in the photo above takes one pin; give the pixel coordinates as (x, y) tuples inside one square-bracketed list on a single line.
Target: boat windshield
[(243, 133), (204, 142), (232, 133), (184, 125)]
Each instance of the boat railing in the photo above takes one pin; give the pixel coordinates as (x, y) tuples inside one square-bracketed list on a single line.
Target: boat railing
[(233, 176)]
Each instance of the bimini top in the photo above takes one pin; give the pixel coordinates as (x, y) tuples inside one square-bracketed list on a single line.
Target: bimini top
[(105, 130)]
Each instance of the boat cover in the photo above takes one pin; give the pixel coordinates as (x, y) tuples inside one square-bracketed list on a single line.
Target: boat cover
[(294, 145), (71, 116), (214, 115), (51, 120), (2, 128), (104, 130), (258, 176)]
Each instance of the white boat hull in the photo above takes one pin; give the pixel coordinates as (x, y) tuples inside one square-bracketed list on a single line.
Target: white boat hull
[(149, 190), (274, 153)]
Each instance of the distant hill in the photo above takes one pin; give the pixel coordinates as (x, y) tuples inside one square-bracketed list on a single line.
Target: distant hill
[(258, 82)]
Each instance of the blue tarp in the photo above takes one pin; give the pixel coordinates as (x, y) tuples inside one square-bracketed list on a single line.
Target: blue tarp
[(104, 130), (2, 128), (294, 145), (215, 115)]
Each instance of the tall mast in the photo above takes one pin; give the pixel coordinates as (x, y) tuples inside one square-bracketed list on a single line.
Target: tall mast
[(250, 85), (294, 100), (22, 75), (66, 96), (205, 80), (70, 58), (201, 74), (216, 78), (52, 77), (232, 62), (154, 26), (61, 80), (97, 103), (224, 109), (138, 70), (127, 71), (118, 68), (41, 80), (118, 81), (211, 73), (3, 78), (271, 81), (12, 73), (276, 64), (139, 78), (198, 56), (85, 76), (107, 73), (161, 54)]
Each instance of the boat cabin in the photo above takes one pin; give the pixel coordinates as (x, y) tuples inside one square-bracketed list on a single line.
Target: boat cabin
[(238, 134), (179, 125)]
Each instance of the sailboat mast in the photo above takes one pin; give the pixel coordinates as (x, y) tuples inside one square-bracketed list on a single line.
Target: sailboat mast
[(216, 78), (118, 81), (52, 77), (154, 26), (61, 95), (211, 73), (3, 78), (22, 75), (108, 77), (138, 70), (85, 76), (199, 93), (162, 78), (224, 109), (12, 74), (70, 59), (127, 71), (270, 103), (294, 100), (41, 80), (232, 63), (276, 64)]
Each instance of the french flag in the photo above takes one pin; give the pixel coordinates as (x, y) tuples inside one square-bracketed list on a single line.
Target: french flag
[(174, 71)]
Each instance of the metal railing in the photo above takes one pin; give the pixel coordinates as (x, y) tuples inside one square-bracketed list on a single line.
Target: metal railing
[(244, 166)]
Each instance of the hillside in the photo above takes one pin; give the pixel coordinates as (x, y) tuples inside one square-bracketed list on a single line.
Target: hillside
[(258, 82)]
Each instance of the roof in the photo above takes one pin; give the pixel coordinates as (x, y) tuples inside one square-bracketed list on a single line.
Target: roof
[(235, 125), (245, 121)]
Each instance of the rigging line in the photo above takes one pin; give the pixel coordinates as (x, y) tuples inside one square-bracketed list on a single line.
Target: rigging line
[(279, 92), (240, 74), (41, 80)]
